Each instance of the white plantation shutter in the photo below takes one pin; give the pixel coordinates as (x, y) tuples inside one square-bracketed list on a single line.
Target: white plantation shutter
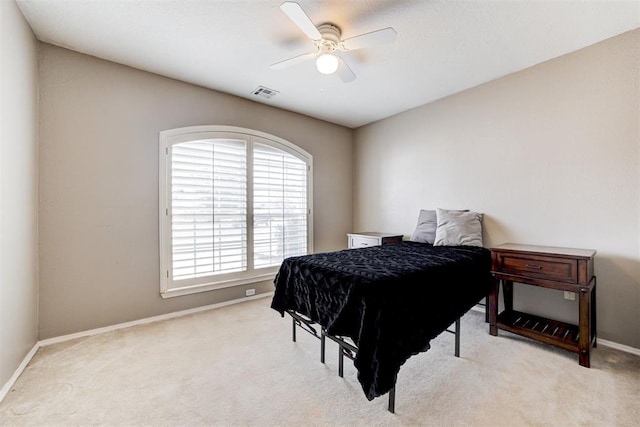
[(233, 204), (279, 206), (209, 208)]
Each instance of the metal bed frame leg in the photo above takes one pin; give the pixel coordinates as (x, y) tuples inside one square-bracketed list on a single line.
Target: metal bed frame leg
[(392, 400), (322, 343), (457, 337), (340, 361), (293, 332), (486, 309)]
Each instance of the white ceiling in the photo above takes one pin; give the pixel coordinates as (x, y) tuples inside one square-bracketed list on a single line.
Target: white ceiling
[(443, 47)]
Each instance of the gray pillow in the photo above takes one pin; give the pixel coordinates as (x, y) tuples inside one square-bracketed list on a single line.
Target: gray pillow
[(425, 231), (456, 228)]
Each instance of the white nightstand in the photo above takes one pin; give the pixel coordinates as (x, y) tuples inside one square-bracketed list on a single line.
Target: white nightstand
[(364, 239)]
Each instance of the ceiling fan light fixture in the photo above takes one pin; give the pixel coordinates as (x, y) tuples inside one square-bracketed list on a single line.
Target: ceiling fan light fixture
[(327, 63)]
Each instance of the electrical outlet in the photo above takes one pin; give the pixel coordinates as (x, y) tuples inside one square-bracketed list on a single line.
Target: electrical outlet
[(250, 292), (571, 296)]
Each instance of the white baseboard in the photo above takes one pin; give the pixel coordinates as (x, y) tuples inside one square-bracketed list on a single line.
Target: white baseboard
[(173, 315), (55, 340), (7, 387), (621, 347)]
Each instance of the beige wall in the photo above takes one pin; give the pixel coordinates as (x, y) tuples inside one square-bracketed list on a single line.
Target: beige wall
[(18, 190), (99, 185), (549, 154)]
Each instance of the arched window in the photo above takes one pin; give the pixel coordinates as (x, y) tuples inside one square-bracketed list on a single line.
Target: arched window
[(233, 204)]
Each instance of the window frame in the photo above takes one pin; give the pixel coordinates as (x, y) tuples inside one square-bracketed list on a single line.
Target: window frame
[(175, 136)]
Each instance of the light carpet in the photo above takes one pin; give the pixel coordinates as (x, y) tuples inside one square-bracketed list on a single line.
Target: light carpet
[(237, 365)]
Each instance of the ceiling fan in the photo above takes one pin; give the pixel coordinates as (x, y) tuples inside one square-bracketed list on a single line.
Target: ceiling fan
[(329, 45)]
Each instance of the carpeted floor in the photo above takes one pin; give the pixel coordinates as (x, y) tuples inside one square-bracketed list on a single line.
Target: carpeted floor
[(237, 365)]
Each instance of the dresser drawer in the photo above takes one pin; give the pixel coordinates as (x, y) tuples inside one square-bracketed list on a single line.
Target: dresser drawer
[(549, 268), (363, 241)]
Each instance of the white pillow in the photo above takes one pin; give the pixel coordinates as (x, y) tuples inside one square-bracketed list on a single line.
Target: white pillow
[(456, 228), (425, 231)]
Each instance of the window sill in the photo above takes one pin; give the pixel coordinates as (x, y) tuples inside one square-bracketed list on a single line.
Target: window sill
[(188, 290)]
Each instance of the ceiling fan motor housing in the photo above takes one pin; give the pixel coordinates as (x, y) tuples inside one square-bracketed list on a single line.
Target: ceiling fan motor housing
[(330, 37)]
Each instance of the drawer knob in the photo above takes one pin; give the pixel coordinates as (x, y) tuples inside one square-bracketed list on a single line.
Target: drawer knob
[(533, 266)]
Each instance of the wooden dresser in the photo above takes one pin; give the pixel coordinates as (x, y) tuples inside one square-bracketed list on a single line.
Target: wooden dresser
[(563, 269)]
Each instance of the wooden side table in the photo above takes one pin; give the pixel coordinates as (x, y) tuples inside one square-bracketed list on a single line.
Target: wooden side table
[(364, 239), (548, 267)]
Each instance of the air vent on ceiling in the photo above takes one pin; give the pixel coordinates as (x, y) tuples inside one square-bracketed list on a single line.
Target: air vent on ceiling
[(265, 92)]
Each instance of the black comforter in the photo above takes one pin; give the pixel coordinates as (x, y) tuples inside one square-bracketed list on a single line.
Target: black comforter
[(390, 300)]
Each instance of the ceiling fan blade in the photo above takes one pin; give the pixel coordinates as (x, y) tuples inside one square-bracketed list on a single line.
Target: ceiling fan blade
[(297, 15), (344, 72), (386, 35), (293, 61)]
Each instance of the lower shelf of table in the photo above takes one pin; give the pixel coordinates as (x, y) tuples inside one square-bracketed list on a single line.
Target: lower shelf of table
[(559, 334)]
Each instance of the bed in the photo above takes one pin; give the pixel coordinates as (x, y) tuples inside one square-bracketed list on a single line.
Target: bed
[(389, 300)]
